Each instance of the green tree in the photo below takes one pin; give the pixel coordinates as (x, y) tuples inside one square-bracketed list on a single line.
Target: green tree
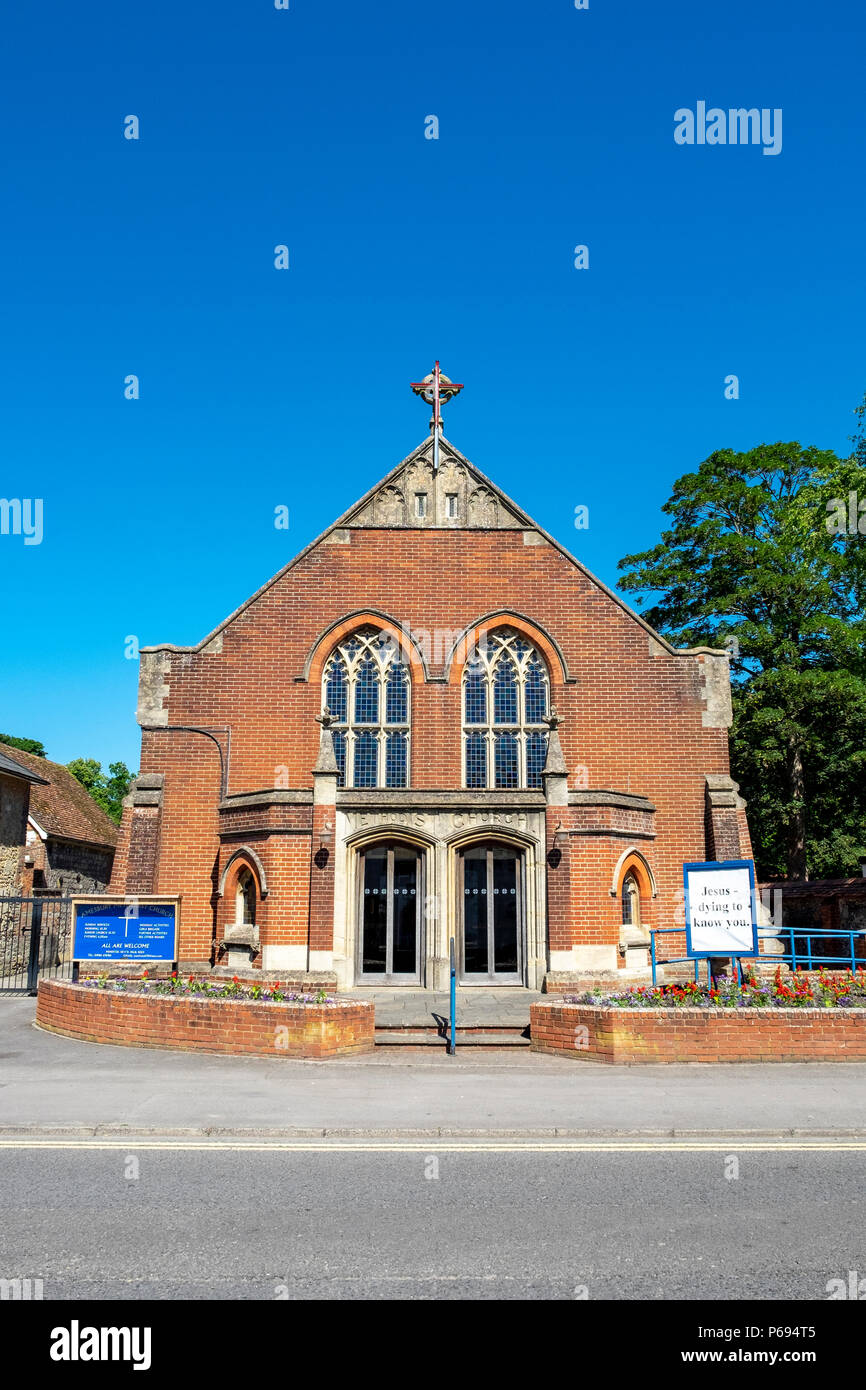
[(27, 745), (107, 789), (758, 559)]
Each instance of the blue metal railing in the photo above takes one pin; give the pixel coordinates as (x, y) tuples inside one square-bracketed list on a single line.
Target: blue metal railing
[(452, 1040), (794, 957)]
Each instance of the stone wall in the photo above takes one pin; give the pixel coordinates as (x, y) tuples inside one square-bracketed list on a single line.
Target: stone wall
[(14, 803), (70, 868)]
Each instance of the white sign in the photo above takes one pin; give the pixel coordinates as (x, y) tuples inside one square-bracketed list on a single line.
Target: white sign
[(719, 909)]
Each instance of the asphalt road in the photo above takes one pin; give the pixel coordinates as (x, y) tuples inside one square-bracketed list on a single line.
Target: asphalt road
[(416, 1221)]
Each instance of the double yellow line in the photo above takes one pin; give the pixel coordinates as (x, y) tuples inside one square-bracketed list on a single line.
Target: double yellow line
[(426, 1146)]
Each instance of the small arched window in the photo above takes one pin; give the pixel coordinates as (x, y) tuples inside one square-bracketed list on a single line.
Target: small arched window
[(367, 688), (245, 899), (506, 697), (630, 901)]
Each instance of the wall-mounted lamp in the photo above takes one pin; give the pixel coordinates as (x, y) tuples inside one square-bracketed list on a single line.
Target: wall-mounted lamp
[(325, 834), (560, 837)]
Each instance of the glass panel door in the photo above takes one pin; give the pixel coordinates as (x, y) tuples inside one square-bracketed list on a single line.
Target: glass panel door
[(374, 936), (505, 914), (390, 915), (404, 916), (491, 925), (475, 958)]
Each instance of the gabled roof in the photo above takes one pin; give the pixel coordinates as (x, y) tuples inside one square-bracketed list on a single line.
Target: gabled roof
[(59, 805), (10, 768), (504, 514)]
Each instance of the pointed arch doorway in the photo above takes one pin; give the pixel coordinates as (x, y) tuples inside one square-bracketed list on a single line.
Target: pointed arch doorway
[(491, 917)]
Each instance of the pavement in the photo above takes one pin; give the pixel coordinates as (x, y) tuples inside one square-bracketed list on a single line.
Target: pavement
[(474, 1008), (50, 1084)]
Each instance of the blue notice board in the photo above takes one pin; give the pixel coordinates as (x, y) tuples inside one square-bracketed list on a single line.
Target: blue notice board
[(135, 931)]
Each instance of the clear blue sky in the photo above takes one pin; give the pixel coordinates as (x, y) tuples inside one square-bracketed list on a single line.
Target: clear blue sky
[(261, 387)]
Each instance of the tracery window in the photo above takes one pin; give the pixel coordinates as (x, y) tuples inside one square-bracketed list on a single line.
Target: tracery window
[(366, 687), (506, 696)]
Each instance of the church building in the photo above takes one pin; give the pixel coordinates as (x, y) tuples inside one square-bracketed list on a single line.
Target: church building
[(433, 723)]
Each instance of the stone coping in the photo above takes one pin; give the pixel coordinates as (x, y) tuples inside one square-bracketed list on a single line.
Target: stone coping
[(676, 1010)]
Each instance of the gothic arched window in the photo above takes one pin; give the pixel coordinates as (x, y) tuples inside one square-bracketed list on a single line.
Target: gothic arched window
[(506, 696), (630, 901), (366, 687), (245, 899)]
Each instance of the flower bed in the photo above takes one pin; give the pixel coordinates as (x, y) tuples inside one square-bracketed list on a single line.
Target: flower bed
[(195, 987), (836, 990), (200, 1015), (816, 1019)]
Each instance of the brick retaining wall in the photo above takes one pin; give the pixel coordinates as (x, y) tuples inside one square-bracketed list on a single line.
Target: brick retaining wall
[(205, 1025), (589, 1032)]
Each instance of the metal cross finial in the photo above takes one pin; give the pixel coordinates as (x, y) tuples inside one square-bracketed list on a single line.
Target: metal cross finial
[(436, 389)]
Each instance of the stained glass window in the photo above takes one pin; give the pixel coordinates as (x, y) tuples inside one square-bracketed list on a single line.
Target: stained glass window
[(340, 755), (367, 693), (476, 693), (364, 680), (506, 760), (476, 760), (505, 692), (506, 689), (395, 760), (337, 689), (536, 752), (366, 750), (397, 694), (536, 692)]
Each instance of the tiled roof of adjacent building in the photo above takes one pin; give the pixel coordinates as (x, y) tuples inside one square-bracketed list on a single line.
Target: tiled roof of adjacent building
[(58, 803), (819, 887), (17, 769)]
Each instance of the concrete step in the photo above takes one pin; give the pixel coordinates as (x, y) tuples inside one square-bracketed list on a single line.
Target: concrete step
[(466, 1037)]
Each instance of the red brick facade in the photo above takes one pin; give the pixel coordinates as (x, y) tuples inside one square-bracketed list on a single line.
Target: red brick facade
[(230, 740)]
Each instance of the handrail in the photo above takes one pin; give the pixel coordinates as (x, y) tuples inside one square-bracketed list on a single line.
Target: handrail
[(452, 1041), (791, 957)]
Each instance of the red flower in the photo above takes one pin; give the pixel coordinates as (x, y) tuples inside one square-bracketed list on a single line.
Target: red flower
[(235, 980)]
